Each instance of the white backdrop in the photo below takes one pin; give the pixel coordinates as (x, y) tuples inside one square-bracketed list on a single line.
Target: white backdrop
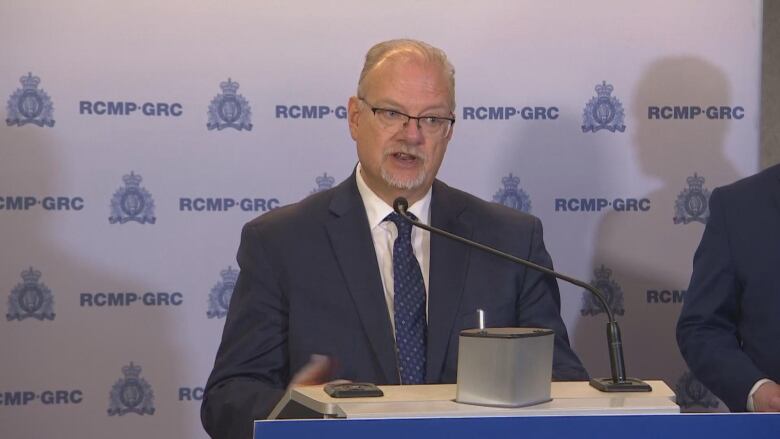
[(130, 88)]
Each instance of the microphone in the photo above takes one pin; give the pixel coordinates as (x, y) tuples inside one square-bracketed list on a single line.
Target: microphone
[(618, 382)]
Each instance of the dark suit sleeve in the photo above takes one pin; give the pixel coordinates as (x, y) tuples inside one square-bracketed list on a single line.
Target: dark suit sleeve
[(539, 305), (251, 368), (708, 328)]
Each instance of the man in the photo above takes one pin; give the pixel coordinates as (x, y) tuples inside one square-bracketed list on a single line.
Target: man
[(336, 274), (729, 330)]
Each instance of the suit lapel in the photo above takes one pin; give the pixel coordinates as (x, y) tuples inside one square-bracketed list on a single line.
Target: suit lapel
[(353, 248), (449, 265)]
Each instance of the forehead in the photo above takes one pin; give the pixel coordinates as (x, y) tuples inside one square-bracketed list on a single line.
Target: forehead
[(409, 82)]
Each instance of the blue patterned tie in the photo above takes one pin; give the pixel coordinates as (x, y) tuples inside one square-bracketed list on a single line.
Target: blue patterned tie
[(409, 305)]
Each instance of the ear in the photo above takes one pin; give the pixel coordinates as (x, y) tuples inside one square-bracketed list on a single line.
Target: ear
[(353, 116)]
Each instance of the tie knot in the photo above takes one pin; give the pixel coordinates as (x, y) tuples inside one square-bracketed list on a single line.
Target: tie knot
[(404, 226)]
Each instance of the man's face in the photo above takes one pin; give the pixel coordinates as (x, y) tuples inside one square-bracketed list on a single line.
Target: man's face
[(403, 161)]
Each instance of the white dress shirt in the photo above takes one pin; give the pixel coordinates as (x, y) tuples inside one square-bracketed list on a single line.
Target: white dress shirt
[(384, 234)]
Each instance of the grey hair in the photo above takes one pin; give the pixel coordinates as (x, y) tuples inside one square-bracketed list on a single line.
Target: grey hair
[(408, 48)]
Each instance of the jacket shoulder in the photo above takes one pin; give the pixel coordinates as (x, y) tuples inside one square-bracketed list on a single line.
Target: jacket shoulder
[(759, 182), (311, 210), (750, 192), (488, 213)]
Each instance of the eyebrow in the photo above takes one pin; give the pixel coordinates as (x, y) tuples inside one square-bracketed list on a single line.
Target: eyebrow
[(395, 105)]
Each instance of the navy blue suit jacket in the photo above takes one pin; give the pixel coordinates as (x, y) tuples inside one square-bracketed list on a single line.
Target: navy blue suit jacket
[(310, 283), (729, 328)]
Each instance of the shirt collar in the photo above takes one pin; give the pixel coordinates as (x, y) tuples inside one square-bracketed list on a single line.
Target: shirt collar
[(377, 210)]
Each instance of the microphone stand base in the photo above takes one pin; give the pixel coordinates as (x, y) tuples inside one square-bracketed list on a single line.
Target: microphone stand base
[(628, 385)]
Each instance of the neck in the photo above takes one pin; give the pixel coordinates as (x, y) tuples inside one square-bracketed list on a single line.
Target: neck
[(408, 195)]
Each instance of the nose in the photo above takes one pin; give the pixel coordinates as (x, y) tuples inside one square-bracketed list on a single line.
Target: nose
[(411, 131)]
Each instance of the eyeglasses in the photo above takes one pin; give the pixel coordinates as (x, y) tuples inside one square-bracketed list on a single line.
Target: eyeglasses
[(432, 126)]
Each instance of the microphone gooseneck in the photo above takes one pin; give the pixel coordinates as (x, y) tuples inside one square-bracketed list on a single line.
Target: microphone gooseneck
[(618, 382)]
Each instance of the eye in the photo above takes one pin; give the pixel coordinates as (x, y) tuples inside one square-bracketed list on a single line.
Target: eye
[(390, 114), (432, 121)]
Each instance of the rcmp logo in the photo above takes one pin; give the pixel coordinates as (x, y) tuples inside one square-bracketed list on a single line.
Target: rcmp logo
[(219, 298), (131, 394), (30, 299), (692, 393), (229, 109), (611, 290), (693, 203), (603, 111), (324, 182), (132, 202), (30, 105), (512, 195)]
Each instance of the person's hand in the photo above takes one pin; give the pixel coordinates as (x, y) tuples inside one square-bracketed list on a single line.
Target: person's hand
[(318, 370), (767, 398)]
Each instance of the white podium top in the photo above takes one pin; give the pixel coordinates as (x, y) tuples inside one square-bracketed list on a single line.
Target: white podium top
[(438, 401)]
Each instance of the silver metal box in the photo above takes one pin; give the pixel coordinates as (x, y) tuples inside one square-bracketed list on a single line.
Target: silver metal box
[(505, 367)]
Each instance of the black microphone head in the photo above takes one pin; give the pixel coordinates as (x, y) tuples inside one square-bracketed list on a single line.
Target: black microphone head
[(400, 205)]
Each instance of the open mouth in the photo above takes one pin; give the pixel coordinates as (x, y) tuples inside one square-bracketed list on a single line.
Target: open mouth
[(404, 157)]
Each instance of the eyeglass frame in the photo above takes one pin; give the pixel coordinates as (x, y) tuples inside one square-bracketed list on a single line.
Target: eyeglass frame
[(417, 119)]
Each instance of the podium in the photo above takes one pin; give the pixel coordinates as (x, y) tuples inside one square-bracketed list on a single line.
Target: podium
[(576, 411), (438, 400)]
